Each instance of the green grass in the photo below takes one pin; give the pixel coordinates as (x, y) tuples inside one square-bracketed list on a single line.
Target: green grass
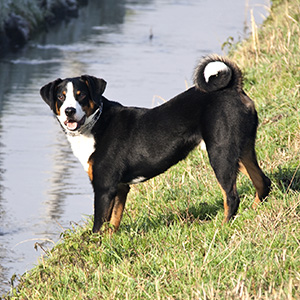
[(171, 243)]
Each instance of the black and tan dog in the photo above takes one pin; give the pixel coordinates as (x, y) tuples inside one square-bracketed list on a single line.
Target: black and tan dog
[(119, 146)]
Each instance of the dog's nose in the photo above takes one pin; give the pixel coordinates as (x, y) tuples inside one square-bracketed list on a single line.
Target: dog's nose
[(70, 111)]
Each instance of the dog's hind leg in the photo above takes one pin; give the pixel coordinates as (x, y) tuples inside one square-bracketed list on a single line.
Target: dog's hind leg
[(249, 166), (226, 169), (231, 202), (118, 206)]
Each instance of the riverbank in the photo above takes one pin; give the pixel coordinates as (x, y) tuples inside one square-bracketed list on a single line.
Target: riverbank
[(171, 243), (20, 20)]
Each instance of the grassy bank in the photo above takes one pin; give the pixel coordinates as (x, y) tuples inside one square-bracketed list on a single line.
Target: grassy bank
[(171, 244)]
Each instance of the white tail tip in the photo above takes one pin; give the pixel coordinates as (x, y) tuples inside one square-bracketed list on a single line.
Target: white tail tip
[(213, 68)]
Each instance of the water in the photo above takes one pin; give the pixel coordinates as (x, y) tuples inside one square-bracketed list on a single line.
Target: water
[(43, 188)]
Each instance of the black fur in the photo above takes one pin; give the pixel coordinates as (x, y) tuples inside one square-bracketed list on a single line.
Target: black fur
[(133, 143)]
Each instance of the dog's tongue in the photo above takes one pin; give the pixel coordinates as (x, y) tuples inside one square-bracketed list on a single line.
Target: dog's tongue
[(72, 125)]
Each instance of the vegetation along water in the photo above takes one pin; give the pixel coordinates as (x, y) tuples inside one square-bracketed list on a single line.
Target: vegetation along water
[(171, 244), (21, 19)]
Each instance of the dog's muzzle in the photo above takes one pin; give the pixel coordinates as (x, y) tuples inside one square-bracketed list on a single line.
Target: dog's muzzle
[(80, 127), (71, 123)]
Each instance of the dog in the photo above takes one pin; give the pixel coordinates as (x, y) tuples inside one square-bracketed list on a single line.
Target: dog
[(119, 145)]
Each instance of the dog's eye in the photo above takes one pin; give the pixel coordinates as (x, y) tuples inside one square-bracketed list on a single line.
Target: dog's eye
[(81, 96), (61, 97)]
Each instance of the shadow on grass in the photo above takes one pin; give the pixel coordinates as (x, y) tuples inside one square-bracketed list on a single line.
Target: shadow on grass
[(201, 212), (287, 178)]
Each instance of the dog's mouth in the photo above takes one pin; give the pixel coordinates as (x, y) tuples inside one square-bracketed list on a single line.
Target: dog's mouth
[(73, 125)]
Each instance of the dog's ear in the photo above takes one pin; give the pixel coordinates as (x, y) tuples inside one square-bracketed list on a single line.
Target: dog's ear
[(96, 87), (48, 93)]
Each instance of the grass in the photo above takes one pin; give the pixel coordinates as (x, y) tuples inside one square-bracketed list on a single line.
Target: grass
[(171, 244)]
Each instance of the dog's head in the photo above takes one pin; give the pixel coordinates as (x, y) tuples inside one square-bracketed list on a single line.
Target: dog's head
[(74, 100)]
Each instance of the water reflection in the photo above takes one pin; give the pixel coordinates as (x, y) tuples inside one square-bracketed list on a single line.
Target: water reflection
[(42, 185)]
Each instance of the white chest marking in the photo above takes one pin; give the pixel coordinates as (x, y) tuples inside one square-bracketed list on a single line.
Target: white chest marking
[(83, 146)]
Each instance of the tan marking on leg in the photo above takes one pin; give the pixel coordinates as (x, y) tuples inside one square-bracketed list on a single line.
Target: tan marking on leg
[(249, 166), (243, 170), (118, 208), (226, 207), (257, 201), (227, 213)]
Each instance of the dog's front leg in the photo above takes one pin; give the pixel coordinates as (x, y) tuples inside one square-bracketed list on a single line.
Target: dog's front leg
[(104, 202), (110, 208)]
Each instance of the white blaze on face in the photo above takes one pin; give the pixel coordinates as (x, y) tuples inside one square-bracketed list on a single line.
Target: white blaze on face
[(213, 68), (69, 102), (82, 145)]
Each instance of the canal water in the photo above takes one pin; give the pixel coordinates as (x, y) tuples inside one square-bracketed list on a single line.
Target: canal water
[(43, 188)]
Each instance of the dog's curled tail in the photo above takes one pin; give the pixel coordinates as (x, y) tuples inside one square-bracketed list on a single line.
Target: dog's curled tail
[(215, 72)]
